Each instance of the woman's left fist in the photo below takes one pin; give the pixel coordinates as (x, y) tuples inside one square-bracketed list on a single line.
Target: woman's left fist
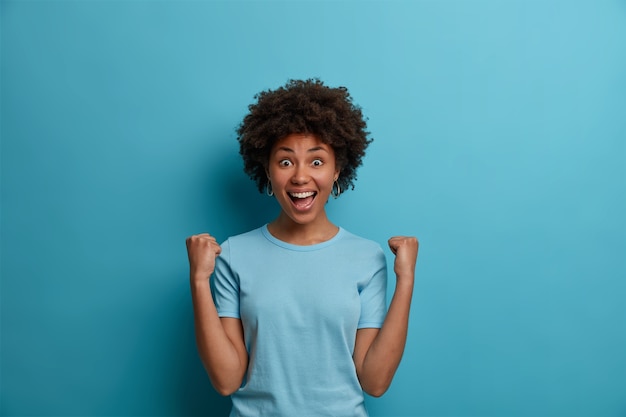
[(405, 248)]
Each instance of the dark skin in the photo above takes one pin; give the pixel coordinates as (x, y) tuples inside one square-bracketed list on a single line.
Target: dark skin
[(302, 170)]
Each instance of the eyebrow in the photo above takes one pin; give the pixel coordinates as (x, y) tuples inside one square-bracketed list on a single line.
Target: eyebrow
[(315, 149)]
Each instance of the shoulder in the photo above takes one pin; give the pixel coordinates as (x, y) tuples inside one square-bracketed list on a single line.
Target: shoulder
[(365, 257), (251, 237), (361, 244), (351, 238), (238, 248), (247, 242)]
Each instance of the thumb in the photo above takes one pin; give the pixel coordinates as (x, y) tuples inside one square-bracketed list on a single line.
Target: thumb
[(393, 244)]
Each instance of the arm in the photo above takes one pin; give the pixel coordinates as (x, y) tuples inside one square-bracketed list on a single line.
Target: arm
[(377, 353), (220, 340)]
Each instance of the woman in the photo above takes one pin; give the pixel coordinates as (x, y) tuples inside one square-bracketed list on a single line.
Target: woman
[(297, 324)]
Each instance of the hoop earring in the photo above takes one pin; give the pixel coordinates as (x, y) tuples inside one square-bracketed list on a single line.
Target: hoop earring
[(268, 189), (335, 193)]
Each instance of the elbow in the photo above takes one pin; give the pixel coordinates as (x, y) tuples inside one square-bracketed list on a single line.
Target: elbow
[(224, 381), (375, 383), (224, 389), (376, 391), (376, 388), (225, 385)]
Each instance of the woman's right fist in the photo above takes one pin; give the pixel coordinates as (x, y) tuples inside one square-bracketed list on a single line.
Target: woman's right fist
[(202, 250)]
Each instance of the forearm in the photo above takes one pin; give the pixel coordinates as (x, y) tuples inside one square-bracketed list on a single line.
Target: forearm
[(384, 355), (222, 357)]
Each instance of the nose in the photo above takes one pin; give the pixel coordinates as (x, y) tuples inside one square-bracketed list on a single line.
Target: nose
[(300, 175)]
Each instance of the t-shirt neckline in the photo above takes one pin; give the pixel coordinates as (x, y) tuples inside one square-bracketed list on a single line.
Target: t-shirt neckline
[(301, 248)]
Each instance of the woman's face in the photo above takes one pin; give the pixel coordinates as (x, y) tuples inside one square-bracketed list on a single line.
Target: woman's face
[(302, 171)]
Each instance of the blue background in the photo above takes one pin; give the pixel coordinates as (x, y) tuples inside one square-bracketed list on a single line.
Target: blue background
[(500, 141)]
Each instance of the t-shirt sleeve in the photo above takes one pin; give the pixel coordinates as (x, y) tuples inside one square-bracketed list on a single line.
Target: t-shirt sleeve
[(225, 285), (374, 295)]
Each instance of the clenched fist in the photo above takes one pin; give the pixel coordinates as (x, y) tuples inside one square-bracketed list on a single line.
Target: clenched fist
[(405, 248), (202, 250)]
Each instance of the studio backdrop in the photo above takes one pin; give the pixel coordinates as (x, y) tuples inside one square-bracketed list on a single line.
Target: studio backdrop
[(499, 141)]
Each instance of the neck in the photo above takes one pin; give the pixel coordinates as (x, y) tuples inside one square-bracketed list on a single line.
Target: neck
[(287, 230)]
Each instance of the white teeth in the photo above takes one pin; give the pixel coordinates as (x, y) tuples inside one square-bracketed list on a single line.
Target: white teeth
[(302, 195)]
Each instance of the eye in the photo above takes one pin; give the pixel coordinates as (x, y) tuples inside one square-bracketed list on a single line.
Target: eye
[(317, 162), (284, 163)]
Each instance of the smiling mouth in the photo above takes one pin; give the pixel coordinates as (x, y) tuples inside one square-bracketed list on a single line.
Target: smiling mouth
[(307, 194), (304, 200)]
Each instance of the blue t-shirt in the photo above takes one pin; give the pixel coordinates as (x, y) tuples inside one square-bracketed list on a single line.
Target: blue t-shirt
[(300, 307)]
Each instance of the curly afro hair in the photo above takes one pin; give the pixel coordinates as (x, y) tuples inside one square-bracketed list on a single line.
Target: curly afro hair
[(303, 106)]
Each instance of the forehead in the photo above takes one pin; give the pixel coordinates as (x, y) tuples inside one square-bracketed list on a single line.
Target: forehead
[(301, 143)]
